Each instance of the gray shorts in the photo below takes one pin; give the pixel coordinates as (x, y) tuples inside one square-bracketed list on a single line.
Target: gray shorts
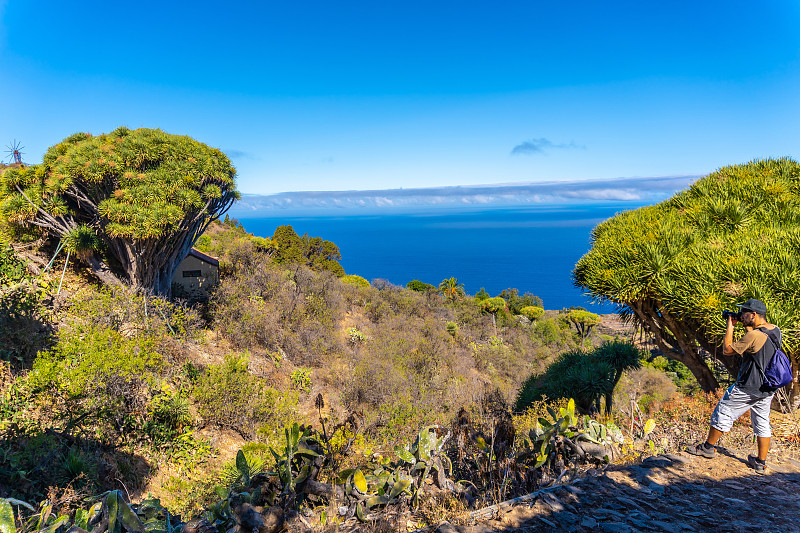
[(737, 402)]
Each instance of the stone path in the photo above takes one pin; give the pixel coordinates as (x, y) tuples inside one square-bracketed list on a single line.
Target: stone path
[(670, 493)]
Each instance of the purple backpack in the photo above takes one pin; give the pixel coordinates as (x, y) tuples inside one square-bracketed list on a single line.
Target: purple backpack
[(779, 369)]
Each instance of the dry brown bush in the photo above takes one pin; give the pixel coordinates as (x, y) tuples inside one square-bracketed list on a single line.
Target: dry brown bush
[(647, 387)]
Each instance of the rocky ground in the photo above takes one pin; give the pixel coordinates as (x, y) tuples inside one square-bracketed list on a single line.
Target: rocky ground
[(671, 493)]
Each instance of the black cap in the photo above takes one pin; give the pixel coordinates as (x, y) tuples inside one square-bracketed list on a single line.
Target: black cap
[(754, 305)]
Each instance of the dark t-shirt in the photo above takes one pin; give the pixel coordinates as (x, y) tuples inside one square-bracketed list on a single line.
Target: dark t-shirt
[(754, 347)]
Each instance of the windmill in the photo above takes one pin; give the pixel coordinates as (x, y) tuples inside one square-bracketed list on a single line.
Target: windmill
[(15, 152)]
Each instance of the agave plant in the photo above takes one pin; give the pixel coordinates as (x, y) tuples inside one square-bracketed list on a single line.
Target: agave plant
[(110, 513), (562, 436)]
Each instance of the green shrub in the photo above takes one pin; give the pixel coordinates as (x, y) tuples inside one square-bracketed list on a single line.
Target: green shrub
[(355, 335), (675, 370), (229, 396), (91, 358), (482, 295), (516, 302), (647, 387), (419, 286), (273, 309), (354, 279), (531, 312), (99, 379), (24, 325), (551, 332), (301, 379), (124, 309), (168, 416), (12, 269)]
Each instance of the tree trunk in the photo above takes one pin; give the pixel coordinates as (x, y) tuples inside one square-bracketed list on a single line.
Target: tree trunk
[(794, 386), (675, 340), (103, 273)]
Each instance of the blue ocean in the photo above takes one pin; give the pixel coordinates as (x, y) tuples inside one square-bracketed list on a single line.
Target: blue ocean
[(531, 248)]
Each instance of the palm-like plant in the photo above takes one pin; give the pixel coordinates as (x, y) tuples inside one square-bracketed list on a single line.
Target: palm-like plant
[(585, 377), (451, 289), (672, 267), (145, 194), (583, 321), (620, 356)]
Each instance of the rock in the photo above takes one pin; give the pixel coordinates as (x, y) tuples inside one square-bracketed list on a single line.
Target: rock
[(732, 484), (200, 525), (615, 527), (589, 522), (669, 527), (609, 512), (597, 451), (628, 502), (568, 517), (273, 520), (615, 505), (656, 462), (736, 501), (449, 528), (247, 517), (552, 502), (573, 489), (548, 522), (639, 522), (676, 458)]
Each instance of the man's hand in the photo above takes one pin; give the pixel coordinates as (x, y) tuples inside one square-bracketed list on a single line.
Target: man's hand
[(726, 345)]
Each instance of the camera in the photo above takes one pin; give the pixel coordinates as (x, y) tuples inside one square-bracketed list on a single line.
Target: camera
[(736, 315)]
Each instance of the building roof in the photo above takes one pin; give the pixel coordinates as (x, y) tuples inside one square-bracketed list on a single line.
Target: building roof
[(203, 257)]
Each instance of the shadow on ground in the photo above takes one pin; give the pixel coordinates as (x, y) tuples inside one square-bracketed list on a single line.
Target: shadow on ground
[(54, 465), (665, 493)]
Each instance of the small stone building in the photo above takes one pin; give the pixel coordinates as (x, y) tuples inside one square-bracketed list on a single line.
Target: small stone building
[(195, 277)]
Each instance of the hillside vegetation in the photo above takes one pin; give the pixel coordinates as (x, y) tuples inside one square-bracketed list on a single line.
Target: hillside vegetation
[(298, 390)]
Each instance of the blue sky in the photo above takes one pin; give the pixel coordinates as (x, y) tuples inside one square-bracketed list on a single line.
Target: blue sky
[(307, 96)]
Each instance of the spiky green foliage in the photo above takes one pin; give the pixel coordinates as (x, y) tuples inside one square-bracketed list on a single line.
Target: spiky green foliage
[(147, 196), (586, 377), (451, 289), (672, 267), (493, 305), (532, 312), (82, 241), (583, 321)]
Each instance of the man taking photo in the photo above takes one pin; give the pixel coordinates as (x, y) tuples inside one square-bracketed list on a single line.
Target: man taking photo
[(757, 346)]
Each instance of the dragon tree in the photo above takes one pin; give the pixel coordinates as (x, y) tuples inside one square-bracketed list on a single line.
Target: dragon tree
[(133, 202), (673, 267)]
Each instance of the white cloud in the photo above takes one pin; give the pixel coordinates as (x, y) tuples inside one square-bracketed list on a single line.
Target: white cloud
[(542, 145), (605, 194), (642, 190)]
